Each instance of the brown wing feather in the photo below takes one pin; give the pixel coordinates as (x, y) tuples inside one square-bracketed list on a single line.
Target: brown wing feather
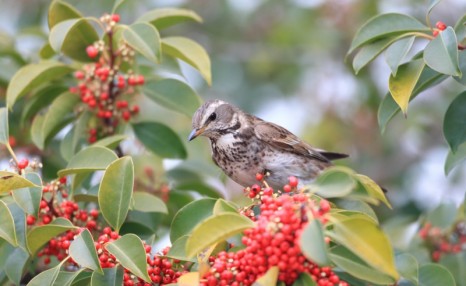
[(280, 138)]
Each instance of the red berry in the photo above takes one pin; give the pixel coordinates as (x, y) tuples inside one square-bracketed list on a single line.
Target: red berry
[(92, 51), (79, 75), (440, 25), (132, 80), (435, 33), (23, 163), (12, 141), (122, 104), (140, 80), (293, 181), (287, 188), (94, 213), (259, 177), (104, 96), (126, 115), (30, 220), (135, 109), (115, 18), (46, 219)]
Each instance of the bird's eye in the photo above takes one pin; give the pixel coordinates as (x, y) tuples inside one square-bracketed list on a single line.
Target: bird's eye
[(213, 116)]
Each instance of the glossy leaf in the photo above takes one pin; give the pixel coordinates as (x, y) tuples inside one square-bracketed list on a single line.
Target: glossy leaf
[(73, 140), (4, 133), (146, 202), (129, 251), (111, 141), (189, 51), (36, 130), (29, 198), (40, 235), (60, 109), (83, 251), (402, 86), (384, 25), (189, 216), (358, 206), (110, 277), (462, 65), (145, 39), (455, 159), (304, 279), (223, 206), (434, 274), (60, 11), (456, 263), (16, 264), (116, 188), (441, 54), (33, 75), (10, 181), (313, 244), (269, 278), (388, 108), (408, 267), (189, 279), (66, 278), (460, 29), (369, 52), (335, 182), (41, 99), (83, 278), (166, 17), (173, 94), (397, 52), (366, 240), (351, 263), (160, 139), (372, 189), (454, 128), (19, 218), (432, 4), (72, 37), (215, 229), (7, 225), (47, 277), (88, 160), (178, 250)]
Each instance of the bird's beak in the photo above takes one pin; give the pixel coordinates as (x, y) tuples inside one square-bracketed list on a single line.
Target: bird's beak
[(196, 132)]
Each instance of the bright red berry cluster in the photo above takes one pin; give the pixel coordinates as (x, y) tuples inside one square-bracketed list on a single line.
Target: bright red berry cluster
[(274, 241), (103, 87), (439, 26), (441, 242)]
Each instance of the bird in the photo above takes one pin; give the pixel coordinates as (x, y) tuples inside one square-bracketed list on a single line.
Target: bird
[(244, 145)]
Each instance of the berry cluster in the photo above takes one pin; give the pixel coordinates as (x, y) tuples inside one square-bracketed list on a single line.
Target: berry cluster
[(439, 26), (103, 87), (274, 241), (444, 242)]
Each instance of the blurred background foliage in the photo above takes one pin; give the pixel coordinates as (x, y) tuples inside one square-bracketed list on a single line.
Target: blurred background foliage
[(285, 62)]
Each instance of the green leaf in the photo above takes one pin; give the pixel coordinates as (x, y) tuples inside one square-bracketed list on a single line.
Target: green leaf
[(462, 65), (454, 128), (178, 250), (7, 225), (335, 182), (215, 229), (10, 181), (269, 278), (443, 216), (313, 244), (72, 37), (304, 279), (146, 202), (408, 267), (369, 52), (358, 206), (354, 265), (40, 235), (111, 141), (47, 277), (60, 11), (402, 86), (4, 133), (460, 29), (66, 278), (130, 252), (441, 54), (83, 278), (222, 206), (388, 108), (82, 250), (385, 25), (88, 160), (397, 52), (366, 240), (75, 137), (173, 94), (36, 130), (111, 277), (46, 52), (62, 107), (434, 274), (189, 51), (372, 189), (41, 99), (456, 263), (33, 75), (16, 264), (116, 188), (166, 17), (189, 216), (145, 39), (160, 139), (455, 159), (29, 198), (432, 4)]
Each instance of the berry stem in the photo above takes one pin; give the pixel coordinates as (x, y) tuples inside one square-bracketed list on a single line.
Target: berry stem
[(12, 153)]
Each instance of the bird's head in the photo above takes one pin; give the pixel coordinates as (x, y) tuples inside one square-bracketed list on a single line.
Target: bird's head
[(213, 119)]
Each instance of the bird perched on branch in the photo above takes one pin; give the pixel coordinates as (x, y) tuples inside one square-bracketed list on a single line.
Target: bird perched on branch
[(244, 145)]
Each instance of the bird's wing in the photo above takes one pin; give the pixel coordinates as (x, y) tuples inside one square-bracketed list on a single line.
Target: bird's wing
[(282, 139)]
